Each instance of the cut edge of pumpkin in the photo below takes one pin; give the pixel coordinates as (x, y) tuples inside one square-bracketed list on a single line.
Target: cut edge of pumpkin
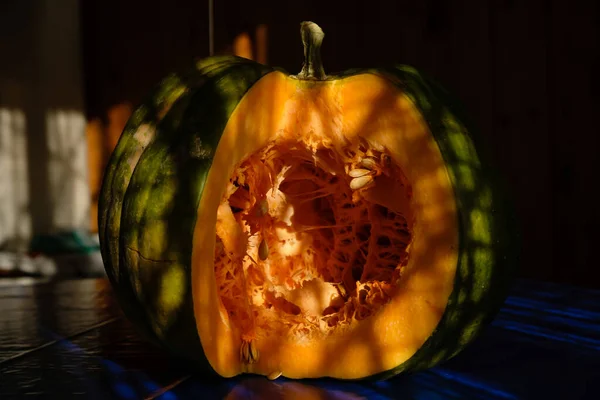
[(363, 106)]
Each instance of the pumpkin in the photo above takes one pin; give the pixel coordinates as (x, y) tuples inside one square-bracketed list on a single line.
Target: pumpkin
[(312, 225)]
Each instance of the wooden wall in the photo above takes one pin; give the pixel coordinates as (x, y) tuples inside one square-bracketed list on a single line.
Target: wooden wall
[(524, 70)]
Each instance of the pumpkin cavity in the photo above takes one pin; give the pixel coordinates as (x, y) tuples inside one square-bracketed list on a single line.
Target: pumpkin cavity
[(311, 238)]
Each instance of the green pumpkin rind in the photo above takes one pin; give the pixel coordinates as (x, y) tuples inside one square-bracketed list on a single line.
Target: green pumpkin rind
[(154, 180), (488, 234)]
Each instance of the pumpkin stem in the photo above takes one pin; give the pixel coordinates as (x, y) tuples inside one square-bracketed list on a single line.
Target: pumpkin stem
[(312, 37)]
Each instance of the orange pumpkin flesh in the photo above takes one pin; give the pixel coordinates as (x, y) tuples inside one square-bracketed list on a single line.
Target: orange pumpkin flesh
[(304, 265)]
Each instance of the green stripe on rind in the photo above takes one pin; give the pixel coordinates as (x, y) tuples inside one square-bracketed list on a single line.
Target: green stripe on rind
[(489, 240), (118, 172), (116, 180), (148, 212)]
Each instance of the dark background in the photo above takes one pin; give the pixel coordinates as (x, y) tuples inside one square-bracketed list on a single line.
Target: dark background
[(526, 70)]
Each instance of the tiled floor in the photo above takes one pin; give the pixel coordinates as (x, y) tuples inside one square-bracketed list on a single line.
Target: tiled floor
[(68, 339)]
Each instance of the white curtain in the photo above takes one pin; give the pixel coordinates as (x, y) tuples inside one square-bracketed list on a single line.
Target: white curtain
[(43, 149)]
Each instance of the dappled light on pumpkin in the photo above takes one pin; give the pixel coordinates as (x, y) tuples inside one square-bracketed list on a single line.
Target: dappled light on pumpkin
[(341, 227), (482, 277)]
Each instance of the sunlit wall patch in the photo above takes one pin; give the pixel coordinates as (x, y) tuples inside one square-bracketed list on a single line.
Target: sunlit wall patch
[(15, 219), (69, 193)]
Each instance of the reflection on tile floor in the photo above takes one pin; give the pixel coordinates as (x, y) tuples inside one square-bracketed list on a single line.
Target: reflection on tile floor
[(68, 339)]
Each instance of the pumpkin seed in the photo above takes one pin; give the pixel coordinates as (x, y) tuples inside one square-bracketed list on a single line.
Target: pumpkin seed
[(368, 162), (253, 352), (248, 352), (274, 375), (244, 354), (356, 173), (263, 250), (360, 182)]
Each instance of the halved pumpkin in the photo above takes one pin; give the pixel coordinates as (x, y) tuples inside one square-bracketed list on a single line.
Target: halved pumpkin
[(305, 225)]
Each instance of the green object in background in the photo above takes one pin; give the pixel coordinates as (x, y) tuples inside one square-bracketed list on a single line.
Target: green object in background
[(67, 242)]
